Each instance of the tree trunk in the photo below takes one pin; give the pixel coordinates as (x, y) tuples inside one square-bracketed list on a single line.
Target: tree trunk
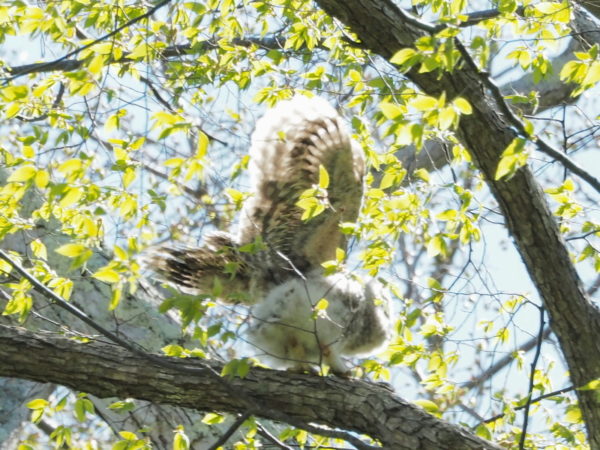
[(384, 29)]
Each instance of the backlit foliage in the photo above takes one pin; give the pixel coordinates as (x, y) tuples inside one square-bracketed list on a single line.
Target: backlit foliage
[(139, 133)]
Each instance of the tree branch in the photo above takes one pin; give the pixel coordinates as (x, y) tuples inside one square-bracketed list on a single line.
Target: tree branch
[(107, 370), (65, 58), (536, 357)]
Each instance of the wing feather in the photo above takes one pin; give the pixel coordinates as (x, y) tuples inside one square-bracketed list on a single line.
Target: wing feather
[(289, 144)]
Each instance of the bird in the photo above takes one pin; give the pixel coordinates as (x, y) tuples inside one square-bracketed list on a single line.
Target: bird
[(307, 323), (273, 261)]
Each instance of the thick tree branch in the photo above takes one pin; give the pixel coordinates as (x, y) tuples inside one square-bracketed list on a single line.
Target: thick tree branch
[(110, 371), (382, 27)]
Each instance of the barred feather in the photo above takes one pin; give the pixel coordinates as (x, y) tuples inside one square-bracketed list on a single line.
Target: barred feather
[(289, 144)]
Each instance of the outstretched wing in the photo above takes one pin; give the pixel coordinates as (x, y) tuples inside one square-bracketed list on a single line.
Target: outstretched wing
[(289, 144), (217, 269)]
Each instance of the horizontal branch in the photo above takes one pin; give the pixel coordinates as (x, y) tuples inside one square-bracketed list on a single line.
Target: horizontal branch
[(106, 370), (64, 64)]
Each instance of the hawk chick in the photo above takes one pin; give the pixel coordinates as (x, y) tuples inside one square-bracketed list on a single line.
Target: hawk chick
[(294, 334), (282, 273)]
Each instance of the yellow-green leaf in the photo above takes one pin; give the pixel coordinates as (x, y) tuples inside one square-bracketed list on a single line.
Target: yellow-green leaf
[(323, 177), (424, 103), (41, 179), (96, 64), (428, 406), (72, 196), (401, 56), (24, 173), (462, 105), (71, 250), (213, 418), (202, 145), (107, 275), (39, 249), (38, 403), (391, 111), (321, 305)]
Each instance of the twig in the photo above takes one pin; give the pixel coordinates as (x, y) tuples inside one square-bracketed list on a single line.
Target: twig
[(267, 435), (518, 125), (232, 429), (538, 351), (61, 91), (100, 39), (503, 362), (533, 401), (67, 65), (476, 17)]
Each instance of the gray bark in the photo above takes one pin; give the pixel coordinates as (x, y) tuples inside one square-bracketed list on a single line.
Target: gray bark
[(137, 318), (384, 29), (109, 371)]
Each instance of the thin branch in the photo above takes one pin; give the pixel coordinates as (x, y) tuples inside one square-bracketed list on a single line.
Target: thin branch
[(520, 127), (267, 435), (503, 362), (538, 351), (533, 401), (67, 65), (476, 17), (55, 103), (100, 39), (232, 429)]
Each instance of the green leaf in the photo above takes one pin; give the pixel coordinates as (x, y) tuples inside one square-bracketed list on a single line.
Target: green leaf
[(424, 103), (428, 406), (72, 250), (449, 214), (42, 178), (122, 406), (402, 56), (321, 305), (422, 174), (323, 177), (107, 275), (202, 146), (573, 414), (311, 206), (180, 440), (72, 195), (38, 403), (462, 105), (173, 350), (22, 174), (128, 435), (511, 159), (484, 432), (437, 246), (39, 249), (593, 385), (213, 418), (391, 111)]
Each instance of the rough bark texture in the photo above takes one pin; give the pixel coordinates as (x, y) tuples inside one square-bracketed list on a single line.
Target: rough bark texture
[(384, 29), (137, 318), (109, 371)]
